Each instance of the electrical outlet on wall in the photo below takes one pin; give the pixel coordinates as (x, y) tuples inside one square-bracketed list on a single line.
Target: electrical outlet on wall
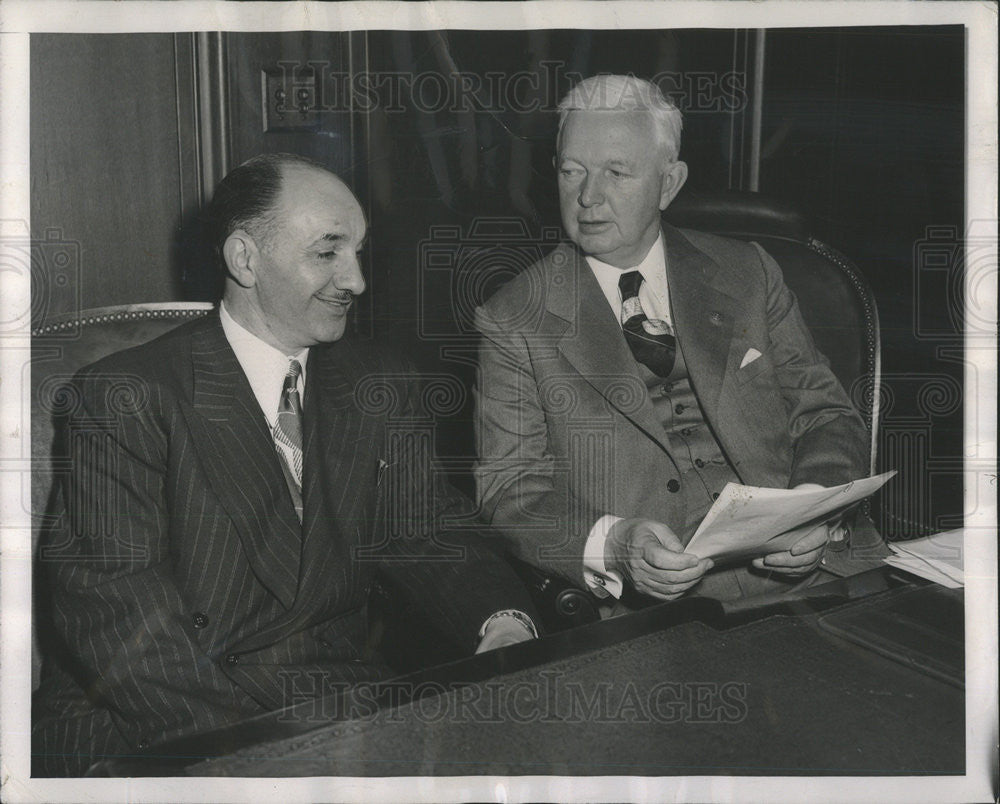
[(289, 100)]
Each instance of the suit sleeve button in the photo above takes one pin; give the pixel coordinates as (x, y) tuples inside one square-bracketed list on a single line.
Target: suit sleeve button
[(199, 619), (673, 486), (232, 659)]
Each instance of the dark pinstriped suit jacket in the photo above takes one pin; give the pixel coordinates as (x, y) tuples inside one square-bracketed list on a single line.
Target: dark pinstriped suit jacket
[(185, 589)]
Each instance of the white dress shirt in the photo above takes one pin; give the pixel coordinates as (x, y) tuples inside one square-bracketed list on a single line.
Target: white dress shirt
[(265, 368), (654, 297)]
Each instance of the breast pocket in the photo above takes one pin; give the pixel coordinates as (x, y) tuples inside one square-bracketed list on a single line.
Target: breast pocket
[(753, 369)]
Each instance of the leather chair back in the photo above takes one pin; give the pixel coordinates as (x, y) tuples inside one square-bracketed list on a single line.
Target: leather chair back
[(61, 347), (835, 299)]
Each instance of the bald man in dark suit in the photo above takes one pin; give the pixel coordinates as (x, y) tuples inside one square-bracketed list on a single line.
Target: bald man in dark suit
[(242, 481)]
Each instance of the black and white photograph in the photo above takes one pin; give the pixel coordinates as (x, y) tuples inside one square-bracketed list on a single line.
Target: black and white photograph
[(542, 401)]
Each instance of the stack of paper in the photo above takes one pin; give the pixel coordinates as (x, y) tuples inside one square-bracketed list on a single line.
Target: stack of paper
[(937, 558), (747, 521)]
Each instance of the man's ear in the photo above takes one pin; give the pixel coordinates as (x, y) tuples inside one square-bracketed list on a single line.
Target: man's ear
[(242, 257), (673, 179)]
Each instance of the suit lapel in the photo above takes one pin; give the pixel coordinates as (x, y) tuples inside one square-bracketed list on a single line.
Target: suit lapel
[(234, 443), (705, 309), (338, 449), (594, 344)]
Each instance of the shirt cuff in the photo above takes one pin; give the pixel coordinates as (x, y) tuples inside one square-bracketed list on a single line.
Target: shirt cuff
[(514, 614), (600, 580)]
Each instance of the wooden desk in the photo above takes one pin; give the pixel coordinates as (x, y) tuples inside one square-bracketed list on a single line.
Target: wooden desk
[(688, 688)]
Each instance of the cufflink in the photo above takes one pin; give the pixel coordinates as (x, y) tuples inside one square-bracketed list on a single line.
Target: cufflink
[(843, 540)]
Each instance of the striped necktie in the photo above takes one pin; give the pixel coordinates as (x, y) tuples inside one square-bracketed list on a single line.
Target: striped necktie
[(288, 433), (652, 341)]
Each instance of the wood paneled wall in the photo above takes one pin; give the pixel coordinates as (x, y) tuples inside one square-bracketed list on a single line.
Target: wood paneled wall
[(113, 164), (117, 164)]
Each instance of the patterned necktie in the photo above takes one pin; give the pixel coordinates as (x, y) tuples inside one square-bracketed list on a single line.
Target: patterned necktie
[(652, 341), (288, 433)]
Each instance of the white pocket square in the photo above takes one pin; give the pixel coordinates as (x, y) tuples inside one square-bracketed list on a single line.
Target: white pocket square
[(749, 357)]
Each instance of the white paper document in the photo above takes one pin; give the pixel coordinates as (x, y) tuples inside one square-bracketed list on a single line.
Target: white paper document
[(748, 521), (937, 558)]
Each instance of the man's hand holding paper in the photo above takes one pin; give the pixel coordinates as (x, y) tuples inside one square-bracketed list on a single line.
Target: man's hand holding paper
[(803, 556), (781, 529), (652, 558)]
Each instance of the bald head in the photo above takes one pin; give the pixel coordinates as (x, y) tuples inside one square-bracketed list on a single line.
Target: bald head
[(246, 198), (305, 190)]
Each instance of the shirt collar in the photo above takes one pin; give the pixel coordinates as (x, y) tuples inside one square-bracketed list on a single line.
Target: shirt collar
[(653, 269), (265, 367)]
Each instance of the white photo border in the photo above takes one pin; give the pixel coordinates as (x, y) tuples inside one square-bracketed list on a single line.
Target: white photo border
[(19, 19)]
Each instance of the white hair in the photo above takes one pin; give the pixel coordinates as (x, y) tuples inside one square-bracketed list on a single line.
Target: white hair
[(626, 93)]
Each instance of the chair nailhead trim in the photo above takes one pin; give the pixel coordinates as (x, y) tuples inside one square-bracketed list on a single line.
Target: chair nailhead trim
[(131, 315)]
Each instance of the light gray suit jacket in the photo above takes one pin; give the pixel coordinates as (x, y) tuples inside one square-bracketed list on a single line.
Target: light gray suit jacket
[(566, 430)]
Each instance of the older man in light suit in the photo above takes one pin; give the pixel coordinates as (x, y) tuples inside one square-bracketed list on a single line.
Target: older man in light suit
[(634, 371)]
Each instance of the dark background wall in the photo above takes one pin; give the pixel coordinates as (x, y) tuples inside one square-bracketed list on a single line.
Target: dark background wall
[(863, 130), (866, 135)]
